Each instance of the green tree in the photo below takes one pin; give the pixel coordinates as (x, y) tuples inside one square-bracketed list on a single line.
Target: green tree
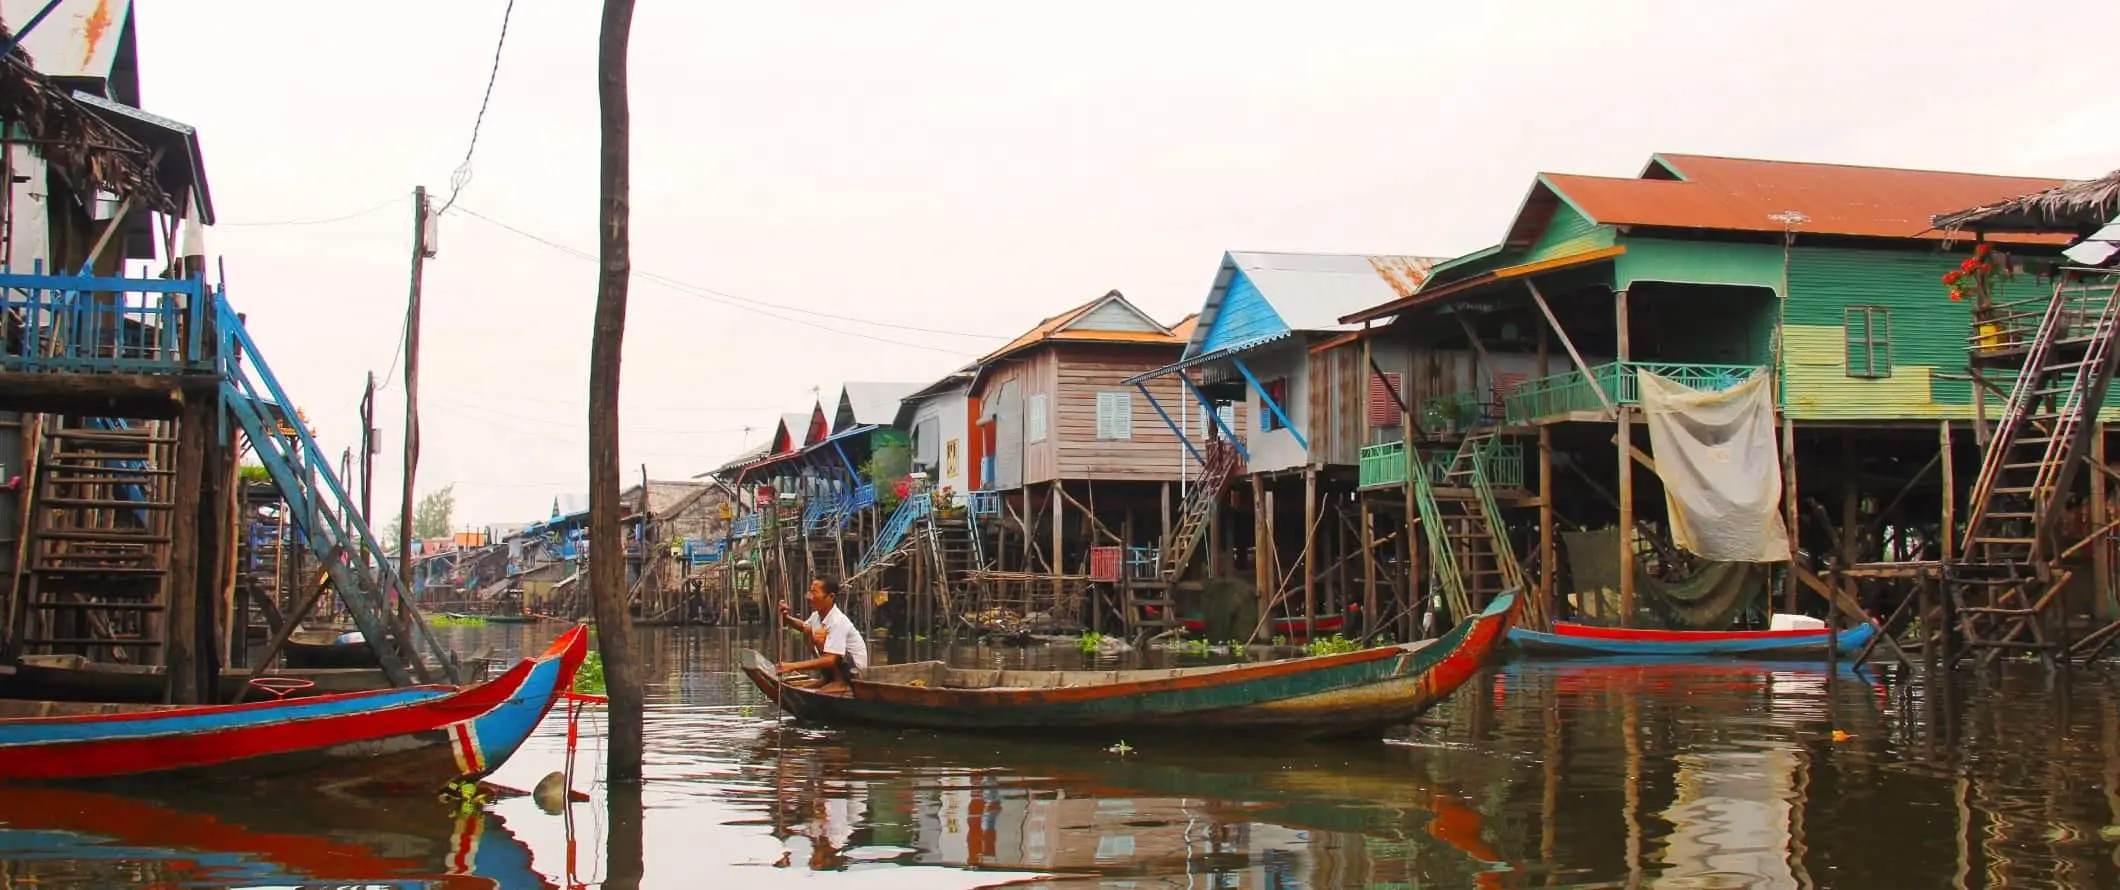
[(435, 516)]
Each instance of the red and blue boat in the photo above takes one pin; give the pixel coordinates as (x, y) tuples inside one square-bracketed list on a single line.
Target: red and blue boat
[(1571, 639), (417, 739)]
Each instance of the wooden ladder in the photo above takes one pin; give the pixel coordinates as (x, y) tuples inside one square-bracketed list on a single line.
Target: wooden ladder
[(99, 534), (2006, 580), (1222, 464)]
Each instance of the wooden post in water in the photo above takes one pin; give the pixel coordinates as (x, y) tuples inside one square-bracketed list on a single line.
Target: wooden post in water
[(1626, 468), (1310, 553), (1546, 554), (194, 427), (607, 565)]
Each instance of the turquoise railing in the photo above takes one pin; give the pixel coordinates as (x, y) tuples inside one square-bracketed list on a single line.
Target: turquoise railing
[(911, 509), (822, 512), (746, 526), (984, 503), (1385, 465), (92, 324), (1573, 391), (363, 574)]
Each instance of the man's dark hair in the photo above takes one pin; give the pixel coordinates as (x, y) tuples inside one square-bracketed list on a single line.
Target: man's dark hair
[(831, 586)]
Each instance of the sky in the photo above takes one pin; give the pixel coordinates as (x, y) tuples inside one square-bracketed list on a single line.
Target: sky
[(833, 191)]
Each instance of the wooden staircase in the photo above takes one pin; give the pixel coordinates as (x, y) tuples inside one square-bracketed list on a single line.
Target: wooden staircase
[(1223, 463), (1462, 521), (2007, 580), (99, 531), (953, 551)]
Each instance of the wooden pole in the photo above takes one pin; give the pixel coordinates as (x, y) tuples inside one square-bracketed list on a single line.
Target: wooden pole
[(1369, 569), (1310, 553), (412, 397), (369, 446), (1054, 561), (1545, 523), (1788, 506), (185, 553), (2102, 551), (1261, 540), (1626, 472), (607, 565)]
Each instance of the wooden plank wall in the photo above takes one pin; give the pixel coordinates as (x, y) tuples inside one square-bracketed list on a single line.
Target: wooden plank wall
[(1074, 375)]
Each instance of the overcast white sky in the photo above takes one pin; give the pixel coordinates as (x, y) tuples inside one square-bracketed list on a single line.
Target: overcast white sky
[(972, 167)]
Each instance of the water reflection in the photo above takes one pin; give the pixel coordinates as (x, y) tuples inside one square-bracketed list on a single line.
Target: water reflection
[(63, 838), (1553, 774)]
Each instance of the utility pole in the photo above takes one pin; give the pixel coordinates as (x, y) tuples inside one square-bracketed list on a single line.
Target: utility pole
[(420, 252), (607, 554), (369, 447)]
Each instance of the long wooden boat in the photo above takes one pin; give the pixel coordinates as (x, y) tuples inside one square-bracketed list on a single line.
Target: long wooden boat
[(322, 649), (71, 678), (414, 739), (212, 839), (1325, 696), (1571, 639)]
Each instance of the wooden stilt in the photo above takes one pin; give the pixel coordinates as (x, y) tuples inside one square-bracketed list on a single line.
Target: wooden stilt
[(2102, 603), (1260, 568), (1626, 472), (1546, 554), (1788, 506), (1369, 571), (1310, 553), (193, 428), (1056, 560)]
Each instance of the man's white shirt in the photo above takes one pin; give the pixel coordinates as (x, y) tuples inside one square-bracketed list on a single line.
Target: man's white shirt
[(840, 637)]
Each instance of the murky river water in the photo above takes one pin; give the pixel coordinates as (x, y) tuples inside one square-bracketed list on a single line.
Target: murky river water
[(1555, 774)]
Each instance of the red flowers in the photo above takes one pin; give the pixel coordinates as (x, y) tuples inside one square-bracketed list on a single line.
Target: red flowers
[(1952, 277), (1974, 276)]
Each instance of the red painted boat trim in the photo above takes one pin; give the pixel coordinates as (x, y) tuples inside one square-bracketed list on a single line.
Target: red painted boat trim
[(1593, 632), (181, 750)]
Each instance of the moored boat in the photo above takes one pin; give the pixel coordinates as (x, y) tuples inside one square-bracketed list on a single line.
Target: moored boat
[(328, 649), (416, 739), (1324, 696), (1571, 639)]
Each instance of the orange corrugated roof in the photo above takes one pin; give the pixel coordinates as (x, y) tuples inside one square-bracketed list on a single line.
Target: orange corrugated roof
[(1740, 194), (1054, 329)]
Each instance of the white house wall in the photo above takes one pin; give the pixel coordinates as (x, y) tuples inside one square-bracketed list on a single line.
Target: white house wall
[(949, 416), (1277, 449)]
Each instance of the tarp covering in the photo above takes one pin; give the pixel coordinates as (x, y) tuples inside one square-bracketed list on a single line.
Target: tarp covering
[(1716, 454), (1712, 599)]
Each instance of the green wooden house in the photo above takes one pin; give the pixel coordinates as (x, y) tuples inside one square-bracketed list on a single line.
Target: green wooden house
[(1705, 270)]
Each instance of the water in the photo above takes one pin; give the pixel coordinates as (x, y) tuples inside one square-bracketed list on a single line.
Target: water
[(1558, 774)]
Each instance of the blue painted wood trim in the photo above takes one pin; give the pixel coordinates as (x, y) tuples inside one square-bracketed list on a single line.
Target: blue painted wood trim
[(1182, 439), (1271, 405), (853, 472), (1216, 416)]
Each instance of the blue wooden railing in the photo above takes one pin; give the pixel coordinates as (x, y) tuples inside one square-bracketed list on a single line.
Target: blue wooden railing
[(363, 574), (91, 324), (910, 510)]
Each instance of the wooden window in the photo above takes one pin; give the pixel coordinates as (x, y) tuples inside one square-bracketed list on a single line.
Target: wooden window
[(1383, 412), (1277, 391), (1869, 330), (1115, 414), (1034, 418)]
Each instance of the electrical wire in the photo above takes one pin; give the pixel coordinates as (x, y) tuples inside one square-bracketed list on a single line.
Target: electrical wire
[(324, 221), (748, 303), (462, 176)]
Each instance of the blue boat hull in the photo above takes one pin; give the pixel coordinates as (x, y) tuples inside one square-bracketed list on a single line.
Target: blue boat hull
[(1584, 642)]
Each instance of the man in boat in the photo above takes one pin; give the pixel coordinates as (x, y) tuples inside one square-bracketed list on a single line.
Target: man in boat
[(841, 653)]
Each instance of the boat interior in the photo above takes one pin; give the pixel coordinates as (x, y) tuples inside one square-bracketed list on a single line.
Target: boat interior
[(939, 675)]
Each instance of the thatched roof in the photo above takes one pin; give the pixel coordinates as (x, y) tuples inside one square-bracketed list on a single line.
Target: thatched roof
[(2076, 208), (85, 149)]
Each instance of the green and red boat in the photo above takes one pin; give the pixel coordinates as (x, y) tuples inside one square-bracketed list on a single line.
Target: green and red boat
[(1349, 694)]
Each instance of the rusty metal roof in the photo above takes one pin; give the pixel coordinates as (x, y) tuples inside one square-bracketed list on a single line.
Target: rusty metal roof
[(1742, 194), (1061, 327)]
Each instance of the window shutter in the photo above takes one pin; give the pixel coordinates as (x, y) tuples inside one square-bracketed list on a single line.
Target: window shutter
[(1276, 391), (1382, 410), (1115, 415), (1034, 425)]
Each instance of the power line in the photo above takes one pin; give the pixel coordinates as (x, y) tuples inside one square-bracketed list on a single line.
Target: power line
[(316, 222), (462, 176), (750, 304)]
